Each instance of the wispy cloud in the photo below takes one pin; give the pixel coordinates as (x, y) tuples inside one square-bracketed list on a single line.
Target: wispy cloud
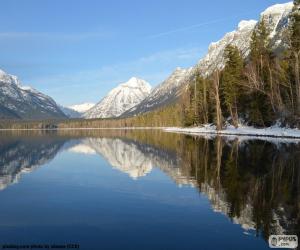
[(171, 55), (195, 26)]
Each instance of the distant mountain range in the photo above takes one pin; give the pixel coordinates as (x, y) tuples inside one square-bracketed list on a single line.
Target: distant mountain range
[(136, 96), (77, 111), (83, 107)]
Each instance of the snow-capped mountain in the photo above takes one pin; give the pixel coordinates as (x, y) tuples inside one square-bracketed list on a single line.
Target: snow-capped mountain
[(83, 107), (163, 94), (120, 99), (71, 113), (276, 20), (76, 111), (20, 102), (276, 17), (215, 57)]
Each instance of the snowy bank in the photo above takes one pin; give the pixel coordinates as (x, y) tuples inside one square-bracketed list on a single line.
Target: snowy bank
[(274, 131)]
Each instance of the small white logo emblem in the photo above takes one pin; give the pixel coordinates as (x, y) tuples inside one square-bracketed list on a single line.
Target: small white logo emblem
[(283, 241)]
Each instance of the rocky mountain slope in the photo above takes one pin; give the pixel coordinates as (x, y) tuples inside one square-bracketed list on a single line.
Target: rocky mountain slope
[(276, 20), (120, 99), (20, 102)]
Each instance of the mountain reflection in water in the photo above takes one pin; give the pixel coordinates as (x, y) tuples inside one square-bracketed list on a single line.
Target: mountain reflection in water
[(255, 183)]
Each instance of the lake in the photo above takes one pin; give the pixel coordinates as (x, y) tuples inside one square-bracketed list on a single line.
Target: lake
[(146, 189)]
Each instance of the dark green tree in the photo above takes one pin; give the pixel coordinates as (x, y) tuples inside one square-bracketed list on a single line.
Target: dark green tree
[(232, 77)]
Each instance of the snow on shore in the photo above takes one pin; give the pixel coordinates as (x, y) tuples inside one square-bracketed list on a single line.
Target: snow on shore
[(274, 131)]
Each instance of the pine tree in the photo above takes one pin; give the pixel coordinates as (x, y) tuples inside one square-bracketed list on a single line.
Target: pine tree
[(259, 46), (231, 81), (261, 107)]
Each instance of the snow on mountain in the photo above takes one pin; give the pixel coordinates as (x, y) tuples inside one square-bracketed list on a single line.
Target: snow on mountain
[(215, 57), (120, 99), (276, 12), (71, 113), (276, 20), (22, 102), (163, 94), (83, 107), (76, 111)]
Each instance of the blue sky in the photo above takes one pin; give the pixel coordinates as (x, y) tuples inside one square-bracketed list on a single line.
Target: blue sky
[(77, 50)]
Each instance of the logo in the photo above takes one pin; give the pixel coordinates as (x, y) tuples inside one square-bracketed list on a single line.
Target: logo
[(283, 241)]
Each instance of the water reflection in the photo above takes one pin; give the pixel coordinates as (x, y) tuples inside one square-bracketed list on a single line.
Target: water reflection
[(23, 154), (255, 183)]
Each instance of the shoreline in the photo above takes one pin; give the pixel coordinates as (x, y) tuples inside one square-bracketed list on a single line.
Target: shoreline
[(57, 129), (245, 131), (242, 131)]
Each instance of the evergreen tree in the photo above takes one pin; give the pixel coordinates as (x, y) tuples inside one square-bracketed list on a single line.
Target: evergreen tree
[(261, 107), (259, 46), (231, 81)]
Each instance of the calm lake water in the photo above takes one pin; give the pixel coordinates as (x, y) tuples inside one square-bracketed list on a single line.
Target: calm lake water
[(144, 189)]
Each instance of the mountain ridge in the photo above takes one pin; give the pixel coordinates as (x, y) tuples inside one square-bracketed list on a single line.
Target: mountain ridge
[(23, 102)]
